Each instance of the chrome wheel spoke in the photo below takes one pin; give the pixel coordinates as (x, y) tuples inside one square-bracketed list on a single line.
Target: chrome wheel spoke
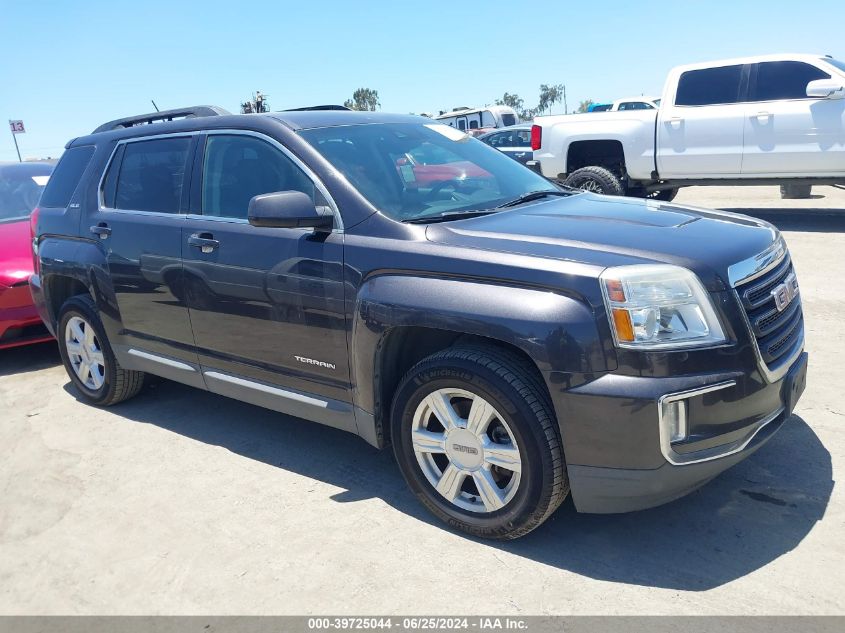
[(503, 455), (89, 337), (440, 405), (84, 372), (428, 442), (96, 357), (480, 416), (73, 348), (491, 494), (76, 330), (451, 481)]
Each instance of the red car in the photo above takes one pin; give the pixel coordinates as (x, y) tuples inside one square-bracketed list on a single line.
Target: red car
[(21, 185)]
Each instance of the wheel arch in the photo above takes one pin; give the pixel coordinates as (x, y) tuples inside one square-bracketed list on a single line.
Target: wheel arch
[(400, 320), (608, 153)]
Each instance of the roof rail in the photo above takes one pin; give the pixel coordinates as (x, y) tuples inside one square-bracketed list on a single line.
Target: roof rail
[(317, 107), (164, 115)]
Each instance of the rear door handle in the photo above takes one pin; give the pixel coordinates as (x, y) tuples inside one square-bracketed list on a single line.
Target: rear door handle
[(203, 241), (676, 121), (101, 230)]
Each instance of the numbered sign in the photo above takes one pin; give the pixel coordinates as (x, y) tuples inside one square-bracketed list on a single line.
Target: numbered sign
[(17, 127)]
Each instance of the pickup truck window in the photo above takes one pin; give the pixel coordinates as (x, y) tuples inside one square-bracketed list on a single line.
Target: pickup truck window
[(410, 171), (709, 86), (784, 80), (151, 175)]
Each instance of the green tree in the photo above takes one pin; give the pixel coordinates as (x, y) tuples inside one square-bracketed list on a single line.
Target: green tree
[(518, 104), (584, 106), (363, 99), (550, 95)]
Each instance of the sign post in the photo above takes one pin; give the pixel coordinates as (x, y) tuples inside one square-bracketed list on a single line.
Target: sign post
[(17, 128)]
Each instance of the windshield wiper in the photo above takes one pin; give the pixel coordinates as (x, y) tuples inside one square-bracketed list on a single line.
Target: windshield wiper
[(534, 195), (449, 215)]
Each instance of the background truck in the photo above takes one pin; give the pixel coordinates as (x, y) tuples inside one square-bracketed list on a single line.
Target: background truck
[(775, 119)]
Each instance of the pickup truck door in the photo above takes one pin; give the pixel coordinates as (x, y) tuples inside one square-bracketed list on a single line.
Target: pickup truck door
[(266, 304), (700, 127), (787, 132)]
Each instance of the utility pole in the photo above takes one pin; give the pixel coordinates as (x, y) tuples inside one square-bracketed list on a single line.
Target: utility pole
[(565, 107)]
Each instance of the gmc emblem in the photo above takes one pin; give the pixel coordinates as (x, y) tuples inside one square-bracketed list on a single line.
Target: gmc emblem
[(785, 292)]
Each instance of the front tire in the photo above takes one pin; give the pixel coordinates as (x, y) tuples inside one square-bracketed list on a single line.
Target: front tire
[(476, 439), (88, 358), (596, 180)]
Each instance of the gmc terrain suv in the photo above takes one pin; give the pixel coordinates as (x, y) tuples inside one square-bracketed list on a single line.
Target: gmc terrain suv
[(390, 276)]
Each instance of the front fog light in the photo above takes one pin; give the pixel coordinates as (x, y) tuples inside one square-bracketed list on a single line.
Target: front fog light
[(675, 420)]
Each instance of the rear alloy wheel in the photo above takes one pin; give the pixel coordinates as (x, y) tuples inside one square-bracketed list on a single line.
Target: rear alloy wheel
[(596, 180), (476, 440), (88, 357)]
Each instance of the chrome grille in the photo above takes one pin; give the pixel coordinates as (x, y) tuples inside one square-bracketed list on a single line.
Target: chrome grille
[(776, 332)]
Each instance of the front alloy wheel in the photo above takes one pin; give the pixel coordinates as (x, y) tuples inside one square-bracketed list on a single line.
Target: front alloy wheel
[(466, 450)]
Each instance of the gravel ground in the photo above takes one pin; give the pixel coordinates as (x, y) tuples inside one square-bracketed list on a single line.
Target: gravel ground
[(183, 502)]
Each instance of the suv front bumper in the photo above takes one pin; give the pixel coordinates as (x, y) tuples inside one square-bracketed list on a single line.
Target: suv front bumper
[(618, 453)]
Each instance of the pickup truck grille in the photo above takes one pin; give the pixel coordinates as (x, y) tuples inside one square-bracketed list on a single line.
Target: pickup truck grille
[(776, 331)]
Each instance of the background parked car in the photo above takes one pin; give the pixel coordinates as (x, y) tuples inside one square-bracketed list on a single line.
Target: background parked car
[(515, 141), (21, 185)]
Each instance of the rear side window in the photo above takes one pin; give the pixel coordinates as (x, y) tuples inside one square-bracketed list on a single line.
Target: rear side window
[(709, 86), (66, 176), (151, 175), (784, 80)]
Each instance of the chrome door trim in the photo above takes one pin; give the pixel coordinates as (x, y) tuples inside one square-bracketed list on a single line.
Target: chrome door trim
[(273, 391), (162, 360)]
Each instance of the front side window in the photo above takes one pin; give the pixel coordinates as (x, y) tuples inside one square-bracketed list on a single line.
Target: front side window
[(151, 175), (236, 168), (784, 80), (410, 171), (709, 86)]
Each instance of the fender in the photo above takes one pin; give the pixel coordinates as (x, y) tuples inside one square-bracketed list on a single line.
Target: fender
[(559, 333)]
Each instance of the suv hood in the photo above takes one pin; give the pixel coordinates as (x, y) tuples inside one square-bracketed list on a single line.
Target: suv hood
[(609, 231), (15, 252)]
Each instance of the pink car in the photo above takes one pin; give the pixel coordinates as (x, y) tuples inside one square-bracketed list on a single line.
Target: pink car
[(21, 185)]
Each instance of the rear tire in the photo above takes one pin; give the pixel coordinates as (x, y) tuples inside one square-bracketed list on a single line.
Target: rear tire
[(88, 358), (498, 470), (596, 180), (795, 192)]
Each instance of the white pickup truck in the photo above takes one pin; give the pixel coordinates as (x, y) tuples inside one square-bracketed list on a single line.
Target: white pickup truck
[(775, 119)]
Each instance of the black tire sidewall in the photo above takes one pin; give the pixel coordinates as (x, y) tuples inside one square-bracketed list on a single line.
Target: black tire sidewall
[(83, 307), (609, 183), (460, 374)]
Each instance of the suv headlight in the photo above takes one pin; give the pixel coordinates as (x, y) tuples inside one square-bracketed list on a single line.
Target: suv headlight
[(659, 307)]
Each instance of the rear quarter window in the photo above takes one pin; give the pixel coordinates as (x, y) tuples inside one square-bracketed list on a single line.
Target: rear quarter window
[(66, 176)]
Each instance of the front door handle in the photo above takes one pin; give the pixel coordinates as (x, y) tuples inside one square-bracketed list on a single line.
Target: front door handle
[(101, 230), (203, 241), (762, 116), (675, 121)]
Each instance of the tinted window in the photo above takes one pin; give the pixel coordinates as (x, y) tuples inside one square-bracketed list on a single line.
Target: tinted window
[(508, 119), (66, 177), (237, 168), (21, 185), (784, 80), (635, 105), (151, 175), (388, 164), (834, 62), (709, 86)]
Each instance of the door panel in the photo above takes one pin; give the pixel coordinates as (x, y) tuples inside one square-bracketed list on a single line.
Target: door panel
[(788, 133), (140, 228), (700, 134), (265, 303)]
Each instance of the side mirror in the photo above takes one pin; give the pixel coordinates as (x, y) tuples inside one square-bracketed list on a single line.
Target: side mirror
[(287, 210), (826, 89)]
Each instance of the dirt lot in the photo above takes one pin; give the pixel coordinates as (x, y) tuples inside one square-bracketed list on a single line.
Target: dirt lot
[(185, 502)]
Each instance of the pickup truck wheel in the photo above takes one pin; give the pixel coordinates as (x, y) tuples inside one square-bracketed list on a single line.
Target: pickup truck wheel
[(88, 357), (477, 442), (597, 180), (665, 195), (795, 192)]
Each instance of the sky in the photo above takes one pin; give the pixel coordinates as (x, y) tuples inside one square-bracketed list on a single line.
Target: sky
[(68, 66)]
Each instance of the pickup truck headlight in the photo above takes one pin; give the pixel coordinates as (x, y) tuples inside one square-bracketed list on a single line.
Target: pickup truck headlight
[(659, 307)]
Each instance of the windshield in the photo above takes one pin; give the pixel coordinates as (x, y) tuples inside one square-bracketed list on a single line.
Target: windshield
[(834, 62), (413, 170), (20, 188)]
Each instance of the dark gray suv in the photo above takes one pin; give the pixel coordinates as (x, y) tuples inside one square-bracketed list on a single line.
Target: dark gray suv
[(387, 275)]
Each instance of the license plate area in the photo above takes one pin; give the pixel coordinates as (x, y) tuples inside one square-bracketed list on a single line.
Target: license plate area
[(794, 384)]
